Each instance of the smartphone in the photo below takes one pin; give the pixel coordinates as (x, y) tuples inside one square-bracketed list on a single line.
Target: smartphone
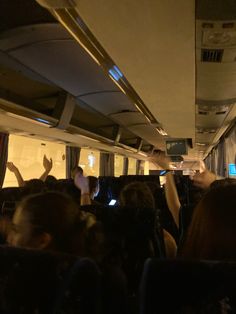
[(112, 202)]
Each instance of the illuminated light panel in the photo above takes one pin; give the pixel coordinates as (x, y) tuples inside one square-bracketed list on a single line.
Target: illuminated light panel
[(161, 131), (38, 121)]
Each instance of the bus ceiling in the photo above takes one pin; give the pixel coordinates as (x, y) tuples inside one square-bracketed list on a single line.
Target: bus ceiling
[(135, 73)]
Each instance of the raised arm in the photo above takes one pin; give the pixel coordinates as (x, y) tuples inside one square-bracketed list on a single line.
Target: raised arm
[(204, 178), (47, 164), (11, 167), (171, 194), (82, 183)]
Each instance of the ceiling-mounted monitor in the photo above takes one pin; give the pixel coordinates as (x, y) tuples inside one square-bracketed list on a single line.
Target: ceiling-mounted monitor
[(232, 170), (176, 147)]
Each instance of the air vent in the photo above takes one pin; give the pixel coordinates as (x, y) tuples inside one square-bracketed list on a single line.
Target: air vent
[(220, 112), (212, 55), (206, 131), (212, 108), (207, 25), (228, 25), (203, 112)]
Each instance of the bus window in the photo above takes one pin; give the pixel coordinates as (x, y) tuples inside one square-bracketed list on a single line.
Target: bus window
[(146, 167), (132, 166), (119, 165), (27, 155), (89, 161)]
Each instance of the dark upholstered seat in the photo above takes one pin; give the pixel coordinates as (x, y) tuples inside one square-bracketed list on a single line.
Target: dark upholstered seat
[(34, 281), (178, 286)]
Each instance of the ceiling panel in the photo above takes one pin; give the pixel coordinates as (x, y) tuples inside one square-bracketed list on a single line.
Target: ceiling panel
[(151, 135), (129, 118), (59, 59), (155, 53), (108, 102)]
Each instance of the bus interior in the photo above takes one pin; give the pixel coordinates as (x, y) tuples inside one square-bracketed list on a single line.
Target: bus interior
[(119, 81), (119, 78)]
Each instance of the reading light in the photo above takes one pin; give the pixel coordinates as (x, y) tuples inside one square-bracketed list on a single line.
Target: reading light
[(201, 144), (161, 131), (115, 73), (118, 70), (43, 121)]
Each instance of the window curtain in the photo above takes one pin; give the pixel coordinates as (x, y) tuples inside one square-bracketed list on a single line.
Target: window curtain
[(230, 148), (215, 160), (72, 159), (208, 162), (138, 167), (107, 161), (126, 166), (220, 167), (4, 138)]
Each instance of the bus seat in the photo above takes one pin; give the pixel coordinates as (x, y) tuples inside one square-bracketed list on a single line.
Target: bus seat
[(180, 286), (35, 281)]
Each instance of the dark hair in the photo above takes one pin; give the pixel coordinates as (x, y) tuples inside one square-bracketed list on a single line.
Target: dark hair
[(224, 182), (93, 183), (33, 186), (56, 214), (50, 180), (212, 232), (76, 169), (137, 194)]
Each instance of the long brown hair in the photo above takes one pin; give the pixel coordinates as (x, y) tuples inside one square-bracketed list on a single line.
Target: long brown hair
[(137, 194), (212, 232)]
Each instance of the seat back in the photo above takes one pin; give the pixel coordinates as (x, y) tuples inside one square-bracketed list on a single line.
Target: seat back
[(34, 281), (80, 291), (178, 286)]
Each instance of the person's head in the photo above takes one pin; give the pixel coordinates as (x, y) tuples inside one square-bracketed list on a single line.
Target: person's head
[(212, 232), (33, 186), (45, 221), (219, 183), (75, 170), (93, 186), (50, 180), (137, 194)]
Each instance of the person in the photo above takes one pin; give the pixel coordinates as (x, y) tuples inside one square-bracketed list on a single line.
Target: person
[(89, 188), (171, 193), (138, 195), (76, 170), (47, 164), (212, 233), (47, 221), (82, 183), (204, 178), (93, 188), (134, 195)]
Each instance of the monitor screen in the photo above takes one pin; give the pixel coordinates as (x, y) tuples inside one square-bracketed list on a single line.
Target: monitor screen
[(232, 169), (176, 147)]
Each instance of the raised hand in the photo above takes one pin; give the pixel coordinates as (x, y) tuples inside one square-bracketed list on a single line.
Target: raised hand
[(204, 179), (12, 167), (82, 183), (161, 159), (47, 164)]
